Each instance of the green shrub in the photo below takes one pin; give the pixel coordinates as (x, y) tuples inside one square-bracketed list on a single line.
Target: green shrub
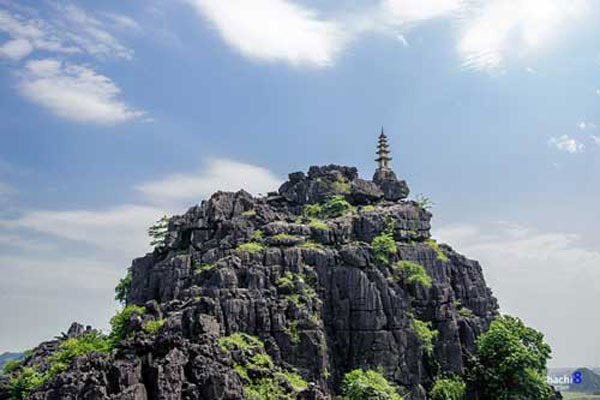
[(251, 247), (265, 389), (309, 244), (21, 386), (295, 379), (368, 208), (440, 254), (413, 272), (313, 210), (158, 232), (152, 327), (249, 213), (202, 267), (336, 206), (284, 237), (369, 385), (286, 281), (341, 186), (122, 288), (318, 224), (452, 388), (257, 235), (511, 362), (292, 331), (119, 323), (424, 202), (462, 310), (10, 366), (260, 361), (383, 245), (425, 334), (241, 340), (72, 348)]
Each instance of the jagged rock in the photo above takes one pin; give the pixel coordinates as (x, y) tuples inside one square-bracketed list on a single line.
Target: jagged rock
[(315, 294)]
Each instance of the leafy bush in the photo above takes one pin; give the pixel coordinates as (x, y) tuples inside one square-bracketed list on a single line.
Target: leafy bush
[(284, 236), (10, 366), (511, 362), (318, 224), (241, 340), (292, 331), (425, 334), (424, 202), (249, 213), (313, 210), (452, 388), (251, 247), (368, 208), (21, 386), (309, 244), (369, 385), (265, 389), (440, 254), (158, 232), (295, 379), (336, 206), (119, 323), (286, 281), (70, 349), (152, 327), (122, 288), (413, 272), (257, 235), (383, 245)]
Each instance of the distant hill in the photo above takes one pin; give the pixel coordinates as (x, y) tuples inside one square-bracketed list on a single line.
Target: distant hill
[(590, 382), (6, 357)]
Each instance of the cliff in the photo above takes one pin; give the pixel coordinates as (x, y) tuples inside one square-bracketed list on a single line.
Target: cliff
[(310, 274)]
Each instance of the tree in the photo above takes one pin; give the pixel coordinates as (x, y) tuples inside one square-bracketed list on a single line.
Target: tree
[(511, 362), (158, 232)]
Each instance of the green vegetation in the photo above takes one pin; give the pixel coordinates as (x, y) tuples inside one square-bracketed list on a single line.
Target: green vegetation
[(11, 366), (286, 281), (284, 237), (511, 362), (119, 322), (241, 340), (251, 247), (258, 386), (383, 245), (313, 210), (152, 327), (318, 224), (21, 386), (309, 244), (336, 206), (369, 385), (341, 186), (425, 334), (440, 254), (368, 208), (452, 388), (202, 267), (295, 379), (462, 310), (70, 349), (249, 213), (122, 288), (292, 331), (413, 273), (257, 235), (158, 232), (424, 202)]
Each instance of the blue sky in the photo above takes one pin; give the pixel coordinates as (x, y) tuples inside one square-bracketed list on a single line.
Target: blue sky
[(115, 113)]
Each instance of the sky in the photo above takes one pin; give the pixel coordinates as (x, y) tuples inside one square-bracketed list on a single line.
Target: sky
[(113, 114)]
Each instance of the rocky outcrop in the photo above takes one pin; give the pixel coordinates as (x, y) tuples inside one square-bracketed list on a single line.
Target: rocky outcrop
[(311, 287)]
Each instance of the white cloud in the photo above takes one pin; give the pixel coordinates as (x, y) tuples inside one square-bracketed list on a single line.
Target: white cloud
[(583, 125), (218, 174), (495, 29), (415, 10), (274, 30), (16, 49), (596, 140), (543, 277), (74, 92), (120, 229), (566, 143), (123, 21), (69, 30)]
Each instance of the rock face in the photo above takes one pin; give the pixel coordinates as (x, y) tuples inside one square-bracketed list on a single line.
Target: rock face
[(312, 289)]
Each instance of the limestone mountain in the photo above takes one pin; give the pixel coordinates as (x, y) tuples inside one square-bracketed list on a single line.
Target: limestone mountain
[(278, 297)]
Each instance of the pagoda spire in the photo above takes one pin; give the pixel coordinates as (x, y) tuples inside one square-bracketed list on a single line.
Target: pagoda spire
[(383, 153)]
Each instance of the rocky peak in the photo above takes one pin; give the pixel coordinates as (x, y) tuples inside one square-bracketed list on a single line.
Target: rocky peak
[(321, 275)]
